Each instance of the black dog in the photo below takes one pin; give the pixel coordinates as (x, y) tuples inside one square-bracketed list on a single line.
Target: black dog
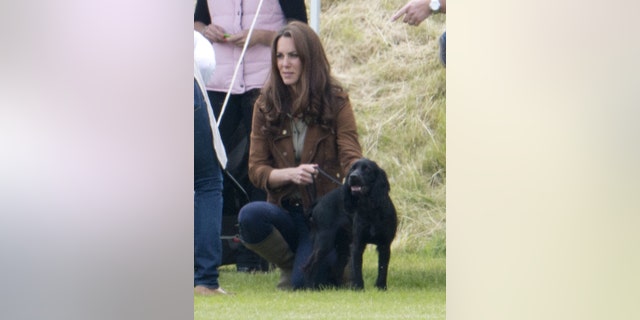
[(350, 217)]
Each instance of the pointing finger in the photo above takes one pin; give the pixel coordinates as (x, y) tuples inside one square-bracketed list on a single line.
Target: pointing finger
[(399, 13)]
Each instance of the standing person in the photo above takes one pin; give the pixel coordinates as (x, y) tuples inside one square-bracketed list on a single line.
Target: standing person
[(226, 25), (416, 11), (209, 160), (302, 123)]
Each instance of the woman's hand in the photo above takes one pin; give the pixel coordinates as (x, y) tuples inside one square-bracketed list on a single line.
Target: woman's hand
[(257, 37), (214, 33), (301, 175), (304, 174)]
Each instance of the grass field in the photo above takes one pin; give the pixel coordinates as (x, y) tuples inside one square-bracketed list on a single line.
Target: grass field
[(417, 282)]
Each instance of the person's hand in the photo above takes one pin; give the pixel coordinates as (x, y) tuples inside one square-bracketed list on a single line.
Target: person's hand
[(415, 11), (304, 174), (238, 39), (257, 36), (214, 33)]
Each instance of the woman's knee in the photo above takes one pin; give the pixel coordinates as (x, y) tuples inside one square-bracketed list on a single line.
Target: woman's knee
[(253, 222)]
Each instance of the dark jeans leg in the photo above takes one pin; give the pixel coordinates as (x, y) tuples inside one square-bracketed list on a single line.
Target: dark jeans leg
[(207, 209), (257, 220)]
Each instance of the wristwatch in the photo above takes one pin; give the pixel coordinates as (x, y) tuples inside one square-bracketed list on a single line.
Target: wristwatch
[(435, 6)]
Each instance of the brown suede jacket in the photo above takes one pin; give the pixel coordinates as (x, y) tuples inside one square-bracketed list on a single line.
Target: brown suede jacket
[(333, 152)]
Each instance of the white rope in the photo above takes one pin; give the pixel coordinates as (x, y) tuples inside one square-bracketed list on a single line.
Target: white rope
[(235, 72)]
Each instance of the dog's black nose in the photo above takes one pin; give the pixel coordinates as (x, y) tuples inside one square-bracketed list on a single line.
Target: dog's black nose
[(354, 179)]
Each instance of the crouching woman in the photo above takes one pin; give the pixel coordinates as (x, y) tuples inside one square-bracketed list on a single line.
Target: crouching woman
[(303, 141)]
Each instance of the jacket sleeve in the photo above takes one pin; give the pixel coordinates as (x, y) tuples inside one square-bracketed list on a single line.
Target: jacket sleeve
[(202, 12), (260, 157), (349, 148), (294, 10)]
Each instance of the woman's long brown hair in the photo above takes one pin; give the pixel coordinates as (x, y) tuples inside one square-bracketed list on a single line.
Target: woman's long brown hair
[(318, 95)]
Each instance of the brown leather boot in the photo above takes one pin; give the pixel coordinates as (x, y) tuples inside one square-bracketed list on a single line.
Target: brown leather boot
[(276, 250)]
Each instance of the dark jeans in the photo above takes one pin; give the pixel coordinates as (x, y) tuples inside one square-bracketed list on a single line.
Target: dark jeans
[(257, 220), (207, 204)]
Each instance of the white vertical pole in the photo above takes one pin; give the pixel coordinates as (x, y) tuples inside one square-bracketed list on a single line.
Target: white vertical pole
[(314, 22)]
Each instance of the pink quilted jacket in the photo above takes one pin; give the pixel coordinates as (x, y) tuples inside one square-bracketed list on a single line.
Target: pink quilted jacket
[(235, 16)]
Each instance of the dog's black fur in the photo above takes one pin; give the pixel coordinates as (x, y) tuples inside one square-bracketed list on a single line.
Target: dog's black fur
[(350, 217)]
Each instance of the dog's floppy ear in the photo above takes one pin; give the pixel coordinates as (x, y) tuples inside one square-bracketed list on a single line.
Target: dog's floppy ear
[(348, 199), (349, 206), (381, 188)]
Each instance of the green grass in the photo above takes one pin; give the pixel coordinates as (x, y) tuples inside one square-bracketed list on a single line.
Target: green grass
[(417, 282)]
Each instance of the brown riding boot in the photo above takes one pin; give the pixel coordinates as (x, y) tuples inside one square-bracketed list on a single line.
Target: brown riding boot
[(276, 250)]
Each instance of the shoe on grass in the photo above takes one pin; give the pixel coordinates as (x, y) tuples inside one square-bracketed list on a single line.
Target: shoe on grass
[(204, 291)]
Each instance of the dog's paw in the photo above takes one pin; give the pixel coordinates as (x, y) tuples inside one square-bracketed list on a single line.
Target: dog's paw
[(357, 285), (381, 287)]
